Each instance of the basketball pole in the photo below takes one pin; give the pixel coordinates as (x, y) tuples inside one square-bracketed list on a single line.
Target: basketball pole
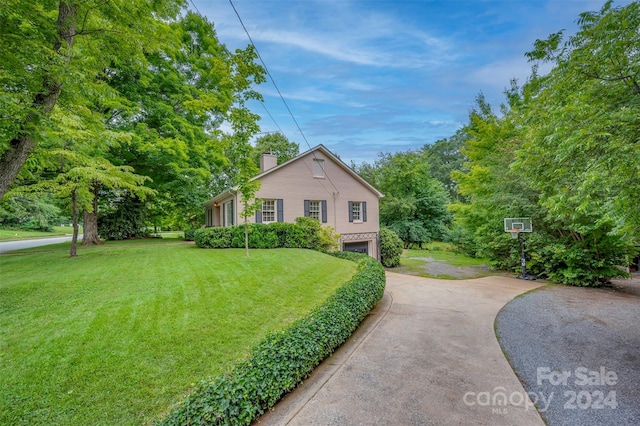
[(523, 258)]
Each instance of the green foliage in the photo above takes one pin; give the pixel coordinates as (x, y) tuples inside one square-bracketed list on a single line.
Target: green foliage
[(219, 237), (318, 237), (284, 358), (446, 156), (564, 152), (276, 144), (415, 203), (127, 219), (390, 248), (189, 234), (30, 212), (305, 233)]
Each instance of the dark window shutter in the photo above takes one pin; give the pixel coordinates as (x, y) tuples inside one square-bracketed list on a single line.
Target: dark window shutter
[(324, 211), (364, 211), (258, 216), (350, 211), (306, 208), (280, 208)]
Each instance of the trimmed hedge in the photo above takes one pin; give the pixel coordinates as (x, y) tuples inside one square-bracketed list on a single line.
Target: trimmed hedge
[(284, 358), (305, 233)]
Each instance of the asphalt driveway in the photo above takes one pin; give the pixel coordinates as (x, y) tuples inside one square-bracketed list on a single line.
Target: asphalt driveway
[(426, 355), (577, 352)]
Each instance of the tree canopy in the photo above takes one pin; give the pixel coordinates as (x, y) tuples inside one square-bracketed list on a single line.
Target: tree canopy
[(564, 152), (142, 86)]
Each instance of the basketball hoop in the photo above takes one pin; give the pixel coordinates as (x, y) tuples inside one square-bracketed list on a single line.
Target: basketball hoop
[(514, 226)]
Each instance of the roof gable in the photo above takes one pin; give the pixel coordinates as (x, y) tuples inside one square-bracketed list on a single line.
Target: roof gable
[(320, 148)]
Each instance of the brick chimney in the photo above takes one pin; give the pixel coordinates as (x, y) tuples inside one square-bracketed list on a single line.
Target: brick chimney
[(268, 161)]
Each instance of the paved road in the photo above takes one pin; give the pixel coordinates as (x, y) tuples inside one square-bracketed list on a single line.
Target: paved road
[(19, 245), (426, 355)]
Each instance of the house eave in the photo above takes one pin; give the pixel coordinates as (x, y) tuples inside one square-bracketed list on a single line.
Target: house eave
[(225, 194)]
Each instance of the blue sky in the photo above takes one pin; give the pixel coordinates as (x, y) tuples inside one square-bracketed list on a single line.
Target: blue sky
[(363, 77)]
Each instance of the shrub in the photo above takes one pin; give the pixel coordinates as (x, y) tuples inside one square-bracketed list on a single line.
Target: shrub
[(284, 358), (213, 237), (390, 248), (305, 233), (127, 220), (189, 234)]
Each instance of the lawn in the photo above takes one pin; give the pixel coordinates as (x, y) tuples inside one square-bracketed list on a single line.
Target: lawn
[(19, 234), (118, 334)]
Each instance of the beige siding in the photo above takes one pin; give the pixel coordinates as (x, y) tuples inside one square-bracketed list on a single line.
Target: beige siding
[(294, 182)]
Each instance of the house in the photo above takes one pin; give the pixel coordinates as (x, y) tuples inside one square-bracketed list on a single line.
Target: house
[(315, 184)]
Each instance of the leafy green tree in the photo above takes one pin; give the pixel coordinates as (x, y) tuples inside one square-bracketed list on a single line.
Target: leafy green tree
[(414, 205), (446, 156), (276, 144), (583, 147), (564, 152), (491, 190), (31, 212), (57, 52), (176, 108)]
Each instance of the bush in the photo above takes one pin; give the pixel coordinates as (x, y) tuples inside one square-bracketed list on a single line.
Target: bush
[(284, 358), (189, 234), (390, 248), (305, 233), (127, 220), (213, 237)]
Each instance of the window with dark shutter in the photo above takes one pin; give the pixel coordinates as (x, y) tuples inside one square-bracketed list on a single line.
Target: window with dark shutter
[(280, 207), (258, 216), (324, 211)]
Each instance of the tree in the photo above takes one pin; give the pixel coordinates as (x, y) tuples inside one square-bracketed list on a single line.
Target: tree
[(584, 141), (55, 52), (277, 144), (444, 157), (565, 153), (176, 109), (414, 205)]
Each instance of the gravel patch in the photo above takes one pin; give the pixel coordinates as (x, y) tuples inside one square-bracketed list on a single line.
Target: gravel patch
[(440, 268), (577, 352)]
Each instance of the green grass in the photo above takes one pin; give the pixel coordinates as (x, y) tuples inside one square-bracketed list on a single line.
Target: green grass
[(450, 257), (414, 262), (18, 234), (118, 334)]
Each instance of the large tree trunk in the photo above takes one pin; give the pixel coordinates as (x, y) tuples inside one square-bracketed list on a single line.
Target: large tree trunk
[(74, 239), (20, 147), (90, 225)]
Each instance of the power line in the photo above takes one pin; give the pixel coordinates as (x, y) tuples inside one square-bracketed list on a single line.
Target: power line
[(277, 89)]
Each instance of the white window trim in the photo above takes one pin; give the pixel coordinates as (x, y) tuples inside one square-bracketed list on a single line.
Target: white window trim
[(318, 205), (228, 220), (272, 212), (359, 205)]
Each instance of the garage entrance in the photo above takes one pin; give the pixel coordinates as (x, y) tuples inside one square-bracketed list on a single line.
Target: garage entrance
[(358, 247)]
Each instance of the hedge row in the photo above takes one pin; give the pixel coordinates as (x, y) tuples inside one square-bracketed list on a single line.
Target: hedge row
[(305, 233), (284, 358)]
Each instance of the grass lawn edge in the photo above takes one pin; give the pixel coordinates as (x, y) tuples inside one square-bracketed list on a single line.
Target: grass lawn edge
[(283, 359)]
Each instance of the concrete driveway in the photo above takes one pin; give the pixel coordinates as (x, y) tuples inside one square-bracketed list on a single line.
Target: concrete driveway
[(426, 355)]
